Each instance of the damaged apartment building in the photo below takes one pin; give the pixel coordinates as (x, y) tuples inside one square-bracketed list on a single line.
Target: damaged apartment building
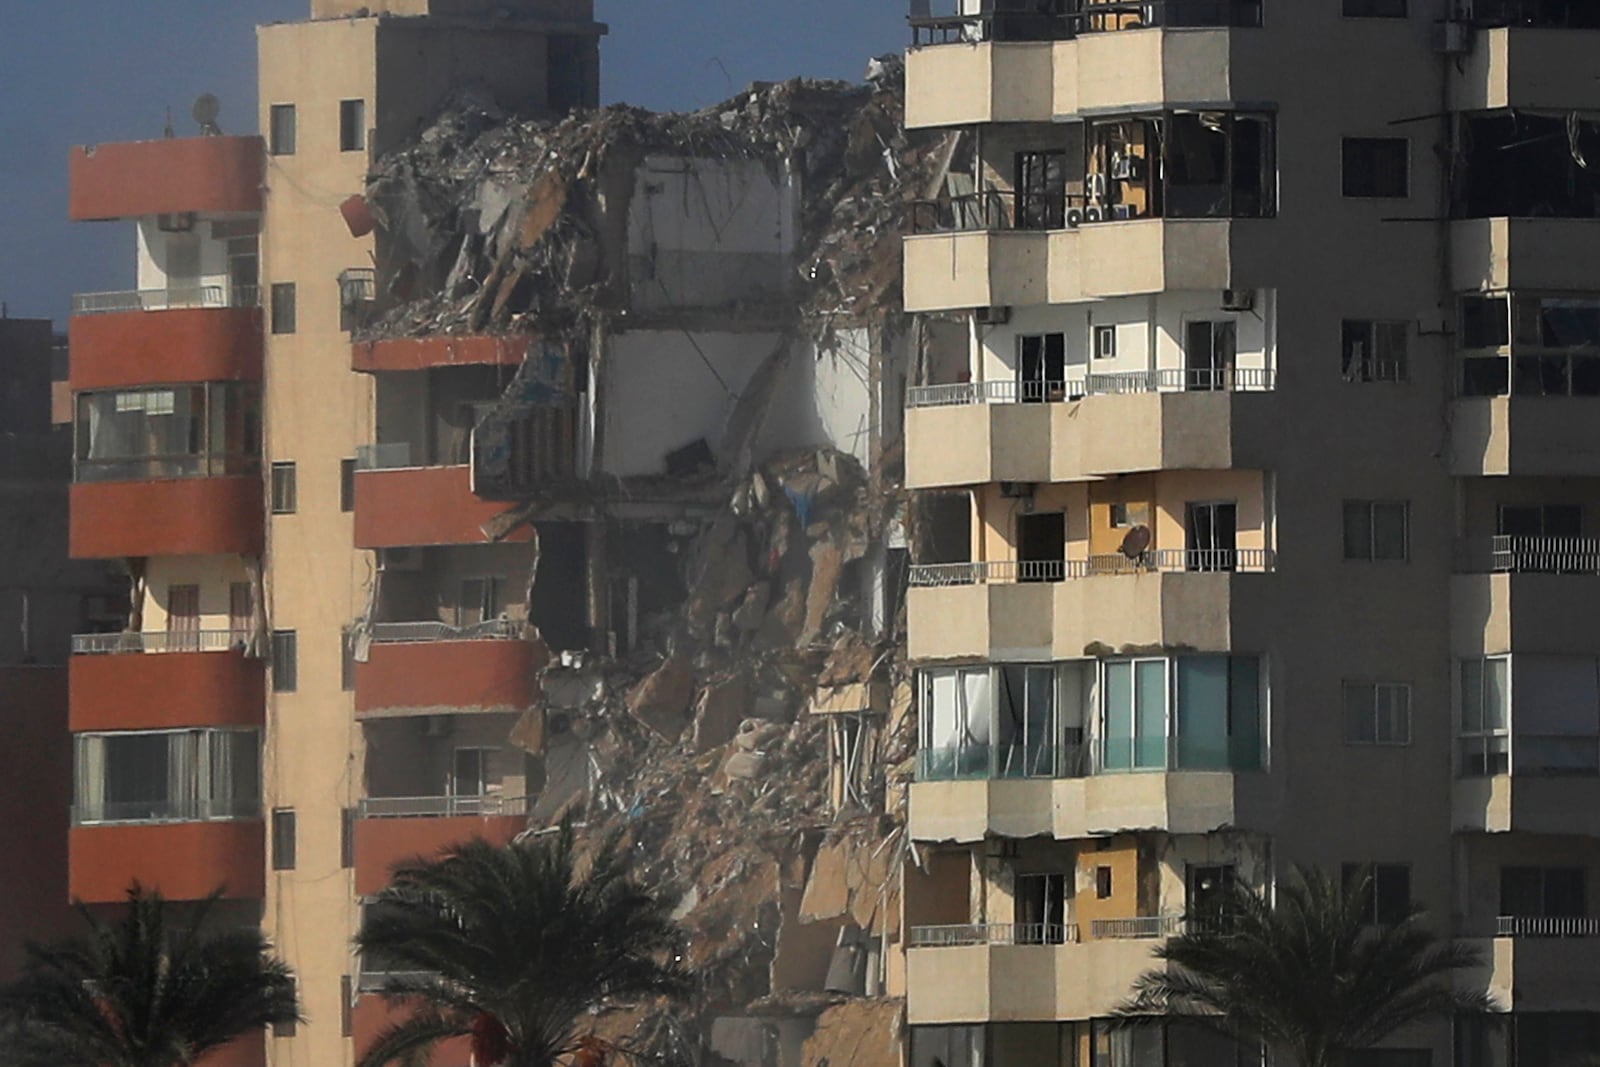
[(483, 458)]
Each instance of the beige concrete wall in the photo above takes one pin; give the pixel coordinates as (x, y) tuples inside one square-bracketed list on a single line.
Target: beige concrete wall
[(317, 413), (214, 575)]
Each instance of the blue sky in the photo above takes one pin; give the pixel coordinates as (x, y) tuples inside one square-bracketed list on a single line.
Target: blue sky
[(82, 71)]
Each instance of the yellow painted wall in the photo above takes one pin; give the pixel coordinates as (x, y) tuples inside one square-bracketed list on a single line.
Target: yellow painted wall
[(213, 574)]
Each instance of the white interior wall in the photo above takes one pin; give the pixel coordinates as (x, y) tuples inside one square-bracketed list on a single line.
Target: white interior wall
[(825, 399), (152, 254)]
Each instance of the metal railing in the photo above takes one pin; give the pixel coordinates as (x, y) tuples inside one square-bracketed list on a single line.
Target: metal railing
[(1164, 380), (998, 210), (1529, 926), (194, 296), (154, 811), (165, 468), (1505, 554), (440, 807), (393, 456), (1144, 927), (967, 934), (400, 633), (129, 643), (1165, 561), (1082, 18)]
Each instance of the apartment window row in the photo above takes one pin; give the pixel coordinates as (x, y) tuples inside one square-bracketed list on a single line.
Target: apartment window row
[(1092, 716), (167, 776), (283, 127)]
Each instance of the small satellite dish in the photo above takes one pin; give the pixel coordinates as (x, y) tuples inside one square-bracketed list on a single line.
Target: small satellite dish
[(1137, 542), (205, 112)]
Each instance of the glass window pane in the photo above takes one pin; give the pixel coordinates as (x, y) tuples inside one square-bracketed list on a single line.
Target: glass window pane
[(1203, 713), (1039, 736), (1496, 694), (1117, 722), (1010, 718), (1471, 696), (1244, 713), (977, 719), (1358, 714), (1150, 713)]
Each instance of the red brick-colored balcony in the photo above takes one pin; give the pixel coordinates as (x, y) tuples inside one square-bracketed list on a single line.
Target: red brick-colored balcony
[(372, 1014), (175, 345), (412, 506), (424, 353), (163, 681), (392, 830), (129, 179), (183, 860), (247, 1051), (217, 516), (433, 671)]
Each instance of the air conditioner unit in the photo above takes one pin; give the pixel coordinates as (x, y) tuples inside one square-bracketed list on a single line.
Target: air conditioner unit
[(1094, 213), (1238, 300), (1096, 185), (182, 222), (992, 316), (400, 559), (1074, 218)]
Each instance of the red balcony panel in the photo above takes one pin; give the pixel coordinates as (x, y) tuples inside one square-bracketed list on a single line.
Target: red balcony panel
[(212, 175), (247, 1051), (383, 843), (133, 348), (423, 506), (445, 677), (184, 860), (167, 690), (372, 1014), (421, 353), (180, 517)]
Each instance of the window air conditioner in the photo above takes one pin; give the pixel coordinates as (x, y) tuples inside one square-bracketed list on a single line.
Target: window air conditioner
[(1238, 299), (992, 316)]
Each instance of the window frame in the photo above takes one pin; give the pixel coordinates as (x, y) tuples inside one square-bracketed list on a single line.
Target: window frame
[(1372, 507), (1496, 759), (285, 661), (1372, 691), (200, 780), (283, 308), (1375, 905), (1374, 364), (283, 140), (284, 486), (1370, 144), (283, 833), (353, 125), (347, 486)]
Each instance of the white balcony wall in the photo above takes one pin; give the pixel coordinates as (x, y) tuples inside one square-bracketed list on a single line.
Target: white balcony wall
[(161, 252)]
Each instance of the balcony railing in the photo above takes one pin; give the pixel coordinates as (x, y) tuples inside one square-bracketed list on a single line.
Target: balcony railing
[(1527, 926), (165, 468), (132, 643), (194, 296), (402, 633), (993, 25), (188, 809), (1153, 926), (1166, 561), (387, 457), (440, 807), (993, 934), (1163, 380), (1530, 555)]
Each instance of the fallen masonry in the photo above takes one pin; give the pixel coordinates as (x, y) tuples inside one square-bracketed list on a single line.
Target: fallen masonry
[(678, 347)]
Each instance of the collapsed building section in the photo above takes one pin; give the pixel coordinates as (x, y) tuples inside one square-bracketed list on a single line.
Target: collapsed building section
[(650, 368)]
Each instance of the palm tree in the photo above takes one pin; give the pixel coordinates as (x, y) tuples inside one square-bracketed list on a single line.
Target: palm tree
[(1309, 974), (143, 991), (511, 946)]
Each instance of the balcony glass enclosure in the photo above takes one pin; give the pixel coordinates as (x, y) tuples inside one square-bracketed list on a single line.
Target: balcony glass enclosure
[(167, 776), (174, 431), (1529, 715)]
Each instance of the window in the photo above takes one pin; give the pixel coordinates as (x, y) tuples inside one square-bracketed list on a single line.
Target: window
[(1555, 715), (1377, 167), (1374, 351), (482, 600), (1527, 1037), (1102, 883), (1485, 697), (347, 485), (1388, 1057), (347, 661), (241, 611), (283, 839), (1376, 530), (167, 776), (1542, 893), (1377, 713), (1010, 721), (1209, 351), (1105, 342), (1385, 888), (281, 135), (285, 662), (1375, 9), (283, 307), (1530, 344), (347, 838), (188, 431), (284, 491), (956, 719), (947, 1046), (352, 125), (1041, 190), (346, 1005), (1042, 367), (1208, 707), (183, 618)]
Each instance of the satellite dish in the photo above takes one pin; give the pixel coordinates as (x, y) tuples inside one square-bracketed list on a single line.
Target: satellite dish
[(1136, 543), (205, 112)]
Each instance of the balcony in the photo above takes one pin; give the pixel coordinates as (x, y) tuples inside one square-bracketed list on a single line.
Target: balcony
[(425, 353), (178, 516), (1014, 66), (975, 983), (182, 860), (981, 267), (1525, 65), (150, 681), (165, 336), (1541, 964), (392, 830), (174, 176), (1053, 610), (1526, 594), (429, 668), (1090, 426), (401, 506)]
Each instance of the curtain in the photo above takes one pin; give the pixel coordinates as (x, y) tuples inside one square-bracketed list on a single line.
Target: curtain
[(91, 783)]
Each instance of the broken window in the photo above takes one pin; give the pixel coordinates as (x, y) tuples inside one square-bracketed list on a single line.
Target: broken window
[(1376, 530), (1377, 167), (358, 294), (1374, 351), (956, 715), (1041, 909), (1530, 344), (1523, 164), (1377, 713), (1041, 190), (1042, 367), (1186, 164)]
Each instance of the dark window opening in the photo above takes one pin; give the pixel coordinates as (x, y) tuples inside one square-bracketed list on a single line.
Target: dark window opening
[(281, 132), (1041, 190), (1212, 536), (1042, 368), (1041, 909), (352, 125), (283, 839), (1377, 167), (285, 495), (1543, 14), (1041, 547), (1209, 352), (1385, 890), (1376, 530), (1522, 165), (1203, 164), (1542, 893), (285, 661), (283, 308), (560, 605), (1375, 9), (347, 485), (1374, 351)]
